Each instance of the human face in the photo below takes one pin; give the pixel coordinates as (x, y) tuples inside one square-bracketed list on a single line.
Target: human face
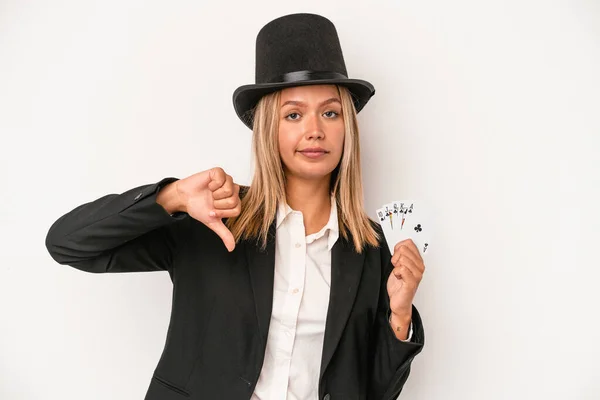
[(310, 117)]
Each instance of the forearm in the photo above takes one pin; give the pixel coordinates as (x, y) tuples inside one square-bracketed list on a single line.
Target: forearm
[(115, 233), (392, 355)]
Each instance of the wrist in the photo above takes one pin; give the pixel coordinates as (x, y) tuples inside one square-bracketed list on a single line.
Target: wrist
[(168, 198), (401, 315), (400, 324)]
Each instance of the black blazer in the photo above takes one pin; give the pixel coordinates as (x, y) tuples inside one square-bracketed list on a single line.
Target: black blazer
[(222, 301)]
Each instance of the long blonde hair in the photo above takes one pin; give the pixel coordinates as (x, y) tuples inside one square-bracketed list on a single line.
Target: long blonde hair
[(260, 199)]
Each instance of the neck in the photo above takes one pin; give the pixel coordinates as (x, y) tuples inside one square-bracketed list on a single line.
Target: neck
[(312, 199)]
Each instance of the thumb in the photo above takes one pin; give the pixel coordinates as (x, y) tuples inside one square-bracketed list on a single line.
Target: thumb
[(224, 233)]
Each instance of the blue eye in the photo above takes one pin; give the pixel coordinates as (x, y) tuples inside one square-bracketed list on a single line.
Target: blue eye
[(328, 114)]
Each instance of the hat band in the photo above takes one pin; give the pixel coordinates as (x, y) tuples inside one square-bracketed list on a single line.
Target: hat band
[(299, 76)]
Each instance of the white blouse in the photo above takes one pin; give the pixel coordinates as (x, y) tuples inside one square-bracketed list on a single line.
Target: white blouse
[(301, 293)]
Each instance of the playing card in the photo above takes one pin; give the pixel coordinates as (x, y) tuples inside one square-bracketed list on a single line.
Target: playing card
[(417, 227), (392, 217), (386, 221), (404, 219), (404, 209)]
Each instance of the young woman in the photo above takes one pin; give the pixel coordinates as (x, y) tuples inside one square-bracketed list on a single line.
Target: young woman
[(283, 289)]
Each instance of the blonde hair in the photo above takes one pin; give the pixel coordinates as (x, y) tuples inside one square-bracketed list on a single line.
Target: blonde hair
[(260, 199)]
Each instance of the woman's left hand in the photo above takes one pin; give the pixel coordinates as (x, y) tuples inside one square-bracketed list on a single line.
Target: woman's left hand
[(404, 279)]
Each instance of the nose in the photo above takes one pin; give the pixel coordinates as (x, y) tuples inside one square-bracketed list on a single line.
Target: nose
[(313, 127)]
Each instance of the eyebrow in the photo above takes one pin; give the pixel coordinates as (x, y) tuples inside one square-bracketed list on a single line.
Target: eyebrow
[(302, 104)]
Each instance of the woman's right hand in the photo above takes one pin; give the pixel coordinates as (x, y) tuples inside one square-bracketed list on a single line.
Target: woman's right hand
[(209, 196)]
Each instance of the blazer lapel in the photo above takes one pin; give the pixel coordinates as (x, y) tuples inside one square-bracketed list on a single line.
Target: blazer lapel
[(346, 269), (261, 267)]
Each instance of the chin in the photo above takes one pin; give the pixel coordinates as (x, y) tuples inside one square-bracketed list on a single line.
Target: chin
[(313, 173)]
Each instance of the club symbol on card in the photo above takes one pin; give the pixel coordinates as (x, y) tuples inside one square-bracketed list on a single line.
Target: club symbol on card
[(425, 247), (418, 228), (381, 216)]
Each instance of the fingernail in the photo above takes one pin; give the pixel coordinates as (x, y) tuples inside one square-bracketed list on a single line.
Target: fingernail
[(212, 213)]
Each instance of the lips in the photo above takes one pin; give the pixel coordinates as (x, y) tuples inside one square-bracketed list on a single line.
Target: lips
[(313, 150), (314, 154)]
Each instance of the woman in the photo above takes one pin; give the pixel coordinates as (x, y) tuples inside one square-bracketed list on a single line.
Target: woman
[(293, 295)]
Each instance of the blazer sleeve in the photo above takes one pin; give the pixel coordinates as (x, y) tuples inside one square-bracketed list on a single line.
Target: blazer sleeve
[(128, 232), (391, 357)]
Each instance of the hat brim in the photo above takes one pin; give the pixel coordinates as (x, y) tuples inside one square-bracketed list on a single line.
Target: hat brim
[(246, 97)]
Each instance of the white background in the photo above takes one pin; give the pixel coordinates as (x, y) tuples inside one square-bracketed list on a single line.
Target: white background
[(487, 111)]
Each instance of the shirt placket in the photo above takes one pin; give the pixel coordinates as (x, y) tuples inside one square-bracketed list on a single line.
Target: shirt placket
[(293, 297)]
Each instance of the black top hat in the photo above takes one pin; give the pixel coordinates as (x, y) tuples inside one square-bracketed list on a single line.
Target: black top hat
[(295, 50)]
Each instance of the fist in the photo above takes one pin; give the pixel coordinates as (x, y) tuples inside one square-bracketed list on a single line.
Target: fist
[(209, 196), (404, 279)]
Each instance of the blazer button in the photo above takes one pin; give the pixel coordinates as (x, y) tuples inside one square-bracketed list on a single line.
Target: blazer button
[(327, 397)]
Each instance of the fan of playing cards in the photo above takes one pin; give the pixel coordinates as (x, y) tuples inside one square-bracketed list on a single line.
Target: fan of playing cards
[(401, 220)]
